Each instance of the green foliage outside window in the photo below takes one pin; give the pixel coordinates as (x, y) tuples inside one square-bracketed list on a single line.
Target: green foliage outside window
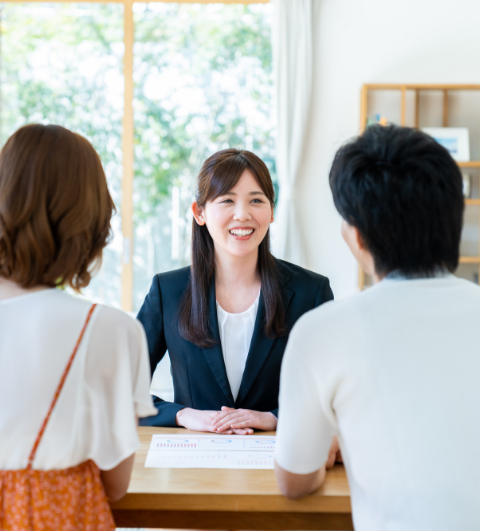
[(203, 82), (221, 54), (62, 64)]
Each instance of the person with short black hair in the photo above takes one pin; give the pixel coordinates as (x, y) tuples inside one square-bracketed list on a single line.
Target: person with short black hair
[(392, 371), (403, 192)]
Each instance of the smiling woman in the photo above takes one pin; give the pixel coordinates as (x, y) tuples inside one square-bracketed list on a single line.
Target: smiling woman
[(233, 209), (226, 319)]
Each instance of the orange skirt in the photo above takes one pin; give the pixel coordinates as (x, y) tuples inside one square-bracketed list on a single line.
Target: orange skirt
[(72, 499)]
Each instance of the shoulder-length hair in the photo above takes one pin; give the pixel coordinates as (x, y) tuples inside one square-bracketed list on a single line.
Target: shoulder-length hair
[(55, 208), (219, 174)]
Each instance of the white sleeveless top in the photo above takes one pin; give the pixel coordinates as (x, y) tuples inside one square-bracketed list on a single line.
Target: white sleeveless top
[(107, 386), (236, 331)]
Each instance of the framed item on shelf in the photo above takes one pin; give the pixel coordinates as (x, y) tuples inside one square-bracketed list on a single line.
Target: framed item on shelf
[(454, 139), (422, 106), (467, 185)]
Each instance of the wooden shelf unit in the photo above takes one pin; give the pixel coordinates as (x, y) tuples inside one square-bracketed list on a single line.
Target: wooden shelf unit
[(471, 164), (417, 88)]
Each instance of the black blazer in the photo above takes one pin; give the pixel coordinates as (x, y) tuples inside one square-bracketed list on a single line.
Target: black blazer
[(199, 376)]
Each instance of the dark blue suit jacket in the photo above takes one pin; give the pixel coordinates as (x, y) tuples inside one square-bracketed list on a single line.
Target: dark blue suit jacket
[(199, 376)]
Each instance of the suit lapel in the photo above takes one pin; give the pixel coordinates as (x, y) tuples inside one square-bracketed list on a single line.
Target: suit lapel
[(259, 347), (214, 355)]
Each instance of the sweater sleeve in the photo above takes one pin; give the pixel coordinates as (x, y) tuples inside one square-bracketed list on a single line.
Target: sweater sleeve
[(300, 406)]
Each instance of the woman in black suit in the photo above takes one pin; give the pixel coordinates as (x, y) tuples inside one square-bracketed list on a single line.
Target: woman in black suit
[(225, 320)]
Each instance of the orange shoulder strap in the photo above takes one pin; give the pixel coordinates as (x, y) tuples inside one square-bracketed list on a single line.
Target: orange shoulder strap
[(59, 389)]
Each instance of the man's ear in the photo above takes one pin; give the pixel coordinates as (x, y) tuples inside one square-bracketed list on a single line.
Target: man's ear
[(351, 236), (359, 250), (198, 213), (359, 239)]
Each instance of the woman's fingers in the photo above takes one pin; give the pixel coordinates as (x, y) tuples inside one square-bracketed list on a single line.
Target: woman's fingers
[(242, 423), (220, 416), (223, 427), (220, 419), (226, 431), (247, 431), (231, 424), (249, 421), (229, 418)]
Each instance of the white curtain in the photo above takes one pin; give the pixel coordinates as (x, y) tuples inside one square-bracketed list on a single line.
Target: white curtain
[(293, 62)]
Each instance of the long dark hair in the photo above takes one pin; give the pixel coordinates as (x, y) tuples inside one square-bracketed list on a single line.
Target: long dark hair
[(219, 174)]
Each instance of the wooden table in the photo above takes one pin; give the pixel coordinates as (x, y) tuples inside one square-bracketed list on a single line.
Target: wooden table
[(225, 499)]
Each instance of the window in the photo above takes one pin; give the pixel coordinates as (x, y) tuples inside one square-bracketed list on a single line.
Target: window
[(201, 81), (62, 63)]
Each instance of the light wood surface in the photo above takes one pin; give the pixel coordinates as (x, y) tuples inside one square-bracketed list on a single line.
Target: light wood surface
[(403, 107), (127, 147), (417, 108), (469, 260), (225, 499), (445, 108), (413, 86), (156, 1), (469, 164), (363, 125)]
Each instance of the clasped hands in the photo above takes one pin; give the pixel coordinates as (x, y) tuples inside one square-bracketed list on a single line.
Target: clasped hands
[(228, 421)]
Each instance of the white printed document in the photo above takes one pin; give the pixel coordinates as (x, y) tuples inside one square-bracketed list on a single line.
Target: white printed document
[(211, 451)]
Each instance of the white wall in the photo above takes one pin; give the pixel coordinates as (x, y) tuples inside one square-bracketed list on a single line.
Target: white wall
[(372, 41)]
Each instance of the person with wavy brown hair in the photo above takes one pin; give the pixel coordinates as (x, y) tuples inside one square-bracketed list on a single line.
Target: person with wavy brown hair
[(73, 376), (225, 320)]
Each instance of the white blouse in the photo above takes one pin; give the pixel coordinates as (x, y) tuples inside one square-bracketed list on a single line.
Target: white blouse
[(236, 331), (106, 388)]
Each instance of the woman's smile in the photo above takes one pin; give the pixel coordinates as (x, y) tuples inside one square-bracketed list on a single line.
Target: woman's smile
[(237, 220), (241, 233)]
